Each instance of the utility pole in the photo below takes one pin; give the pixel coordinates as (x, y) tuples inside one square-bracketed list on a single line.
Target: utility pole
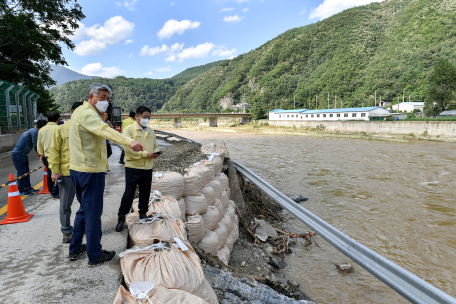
[(375, 97), (397, 110)]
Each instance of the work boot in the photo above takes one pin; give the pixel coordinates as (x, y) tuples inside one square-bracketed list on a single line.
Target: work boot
[(120, 223), (67, 237), (105, 256), (73, 256), (143, 216)]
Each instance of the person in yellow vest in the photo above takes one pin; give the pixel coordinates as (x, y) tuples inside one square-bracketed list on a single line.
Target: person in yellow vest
[(59, 163), (44, 142), (138, 169), (125, 124), (87, 136)]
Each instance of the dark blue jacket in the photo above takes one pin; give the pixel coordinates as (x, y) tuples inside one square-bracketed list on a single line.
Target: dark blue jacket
[(27, 142)]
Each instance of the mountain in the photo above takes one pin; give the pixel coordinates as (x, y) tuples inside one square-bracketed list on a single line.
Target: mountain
[(129, 93), (385, 47), (62, 74)]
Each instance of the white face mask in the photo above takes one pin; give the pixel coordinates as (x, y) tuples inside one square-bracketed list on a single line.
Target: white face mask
[(102, 105), (144, 122)]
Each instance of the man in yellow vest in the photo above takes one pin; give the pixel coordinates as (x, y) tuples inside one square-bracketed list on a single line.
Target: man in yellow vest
[(125, 124), (44, 142), (59, 163), (88, 159), (138, 169)]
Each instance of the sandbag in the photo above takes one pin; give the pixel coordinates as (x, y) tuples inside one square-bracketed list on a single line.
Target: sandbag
[(195, 226), (230, 211), (224, 199), (193, 183), (223, 180), (217, 160), (158, 295), (228, 191), (226, 221), (168, 183), (236, 220), (224, 254), (209, 242), (211, 218), (160, 227), (181, 203), (209, 194), (160, 204), (217, 186), (218, 205), (232, 237), (212, 148), (195, 204), (222, 234), (210, 165), (205, 173), (168, 266)]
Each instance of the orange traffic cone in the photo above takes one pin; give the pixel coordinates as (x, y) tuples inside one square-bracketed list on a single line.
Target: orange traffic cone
[(45, 189), (16, 212)]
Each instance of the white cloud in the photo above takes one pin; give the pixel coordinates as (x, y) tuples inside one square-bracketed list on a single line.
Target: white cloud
[(148, 73), (146, 50), (176, 52), (227, 9), (232, 19), (302, 12), (200, 51), (114, 30), (172, 3), (128, 41), (165, 69), (223, 52), (240, 1), (245, 9), (171, 58), (128, 4), (232, 57), (96, 69), (331, 7), (129, 56), (172, 27)]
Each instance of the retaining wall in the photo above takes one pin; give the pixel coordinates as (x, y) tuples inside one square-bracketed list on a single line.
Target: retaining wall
[(428, 128), (8, 141)]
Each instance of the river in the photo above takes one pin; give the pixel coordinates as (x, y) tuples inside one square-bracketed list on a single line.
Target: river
[(397, 199)]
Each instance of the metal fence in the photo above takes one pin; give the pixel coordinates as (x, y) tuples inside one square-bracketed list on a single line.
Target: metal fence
[(17, 106)]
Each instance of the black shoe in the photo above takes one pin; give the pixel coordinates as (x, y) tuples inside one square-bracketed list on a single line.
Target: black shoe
[(105, 256), (142, 216), (67, 237), (73, 256), (120, 223), (121, 162), (57, 196)]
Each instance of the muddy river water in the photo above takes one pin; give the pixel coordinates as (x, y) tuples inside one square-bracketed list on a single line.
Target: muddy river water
[(398, 199)]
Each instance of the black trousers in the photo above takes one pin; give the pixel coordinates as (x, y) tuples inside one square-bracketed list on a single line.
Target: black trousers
[(108, 149), (122, 156), (134, 177)]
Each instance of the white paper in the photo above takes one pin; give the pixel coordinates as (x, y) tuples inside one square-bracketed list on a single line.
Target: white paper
[(181, 244), (141, 288), (158, 174)]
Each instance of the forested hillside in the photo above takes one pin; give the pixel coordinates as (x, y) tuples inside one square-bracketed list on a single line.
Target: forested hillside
[(129, 93), (386, 47), (61, 74)]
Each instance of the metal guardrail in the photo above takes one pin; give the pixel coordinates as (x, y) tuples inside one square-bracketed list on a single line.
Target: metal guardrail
[(402, 281)]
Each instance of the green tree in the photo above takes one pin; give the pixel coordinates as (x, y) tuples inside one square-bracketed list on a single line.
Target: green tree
[(441, 88), (31, 35), (258, 111)]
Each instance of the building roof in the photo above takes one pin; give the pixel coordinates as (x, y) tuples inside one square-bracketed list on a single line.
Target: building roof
[(279, 111), (448, 113), (413, 103), (363, 109)]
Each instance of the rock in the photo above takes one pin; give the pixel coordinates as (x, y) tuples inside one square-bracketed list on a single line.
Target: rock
[(299, 198), (264, 231), (278, 262), (345, 268), (243, 264), (273, 278), (293, 283)]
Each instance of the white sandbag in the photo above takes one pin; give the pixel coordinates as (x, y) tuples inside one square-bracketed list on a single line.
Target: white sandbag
[(193, 183), (217, 186), (222, 235), (223, 180), (169, 266), (228, 191), (204, 172), (209, 194), (211, 218), (209, 242), (195, 204), (181, 203), (160, 227), (232, 237), (195, 226), (224, 199), (236, 220), (210, 165), (157, 295), (230, 211), (217, 160), (212, 148), (224, 254), (227, 222), (218, 205), (160, 204), (168, 183)]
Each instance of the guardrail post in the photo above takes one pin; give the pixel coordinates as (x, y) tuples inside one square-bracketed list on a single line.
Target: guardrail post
[(212, 121), (18, 109), (31, 109), (177, 122), (24, 102), (245, 120), (35, 106), (8, 110)]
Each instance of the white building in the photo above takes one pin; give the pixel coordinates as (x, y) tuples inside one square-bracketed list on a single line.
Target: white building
[(365, 113), (409, 106)]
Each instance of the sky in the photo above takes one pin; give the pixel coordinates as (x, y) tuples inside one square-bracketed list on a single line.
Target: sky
[(161, 38)]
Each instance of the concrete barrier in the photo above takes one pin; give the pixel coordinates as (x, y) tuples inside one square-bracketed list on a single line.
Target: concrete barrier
[(8, 141), (421, 128)]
